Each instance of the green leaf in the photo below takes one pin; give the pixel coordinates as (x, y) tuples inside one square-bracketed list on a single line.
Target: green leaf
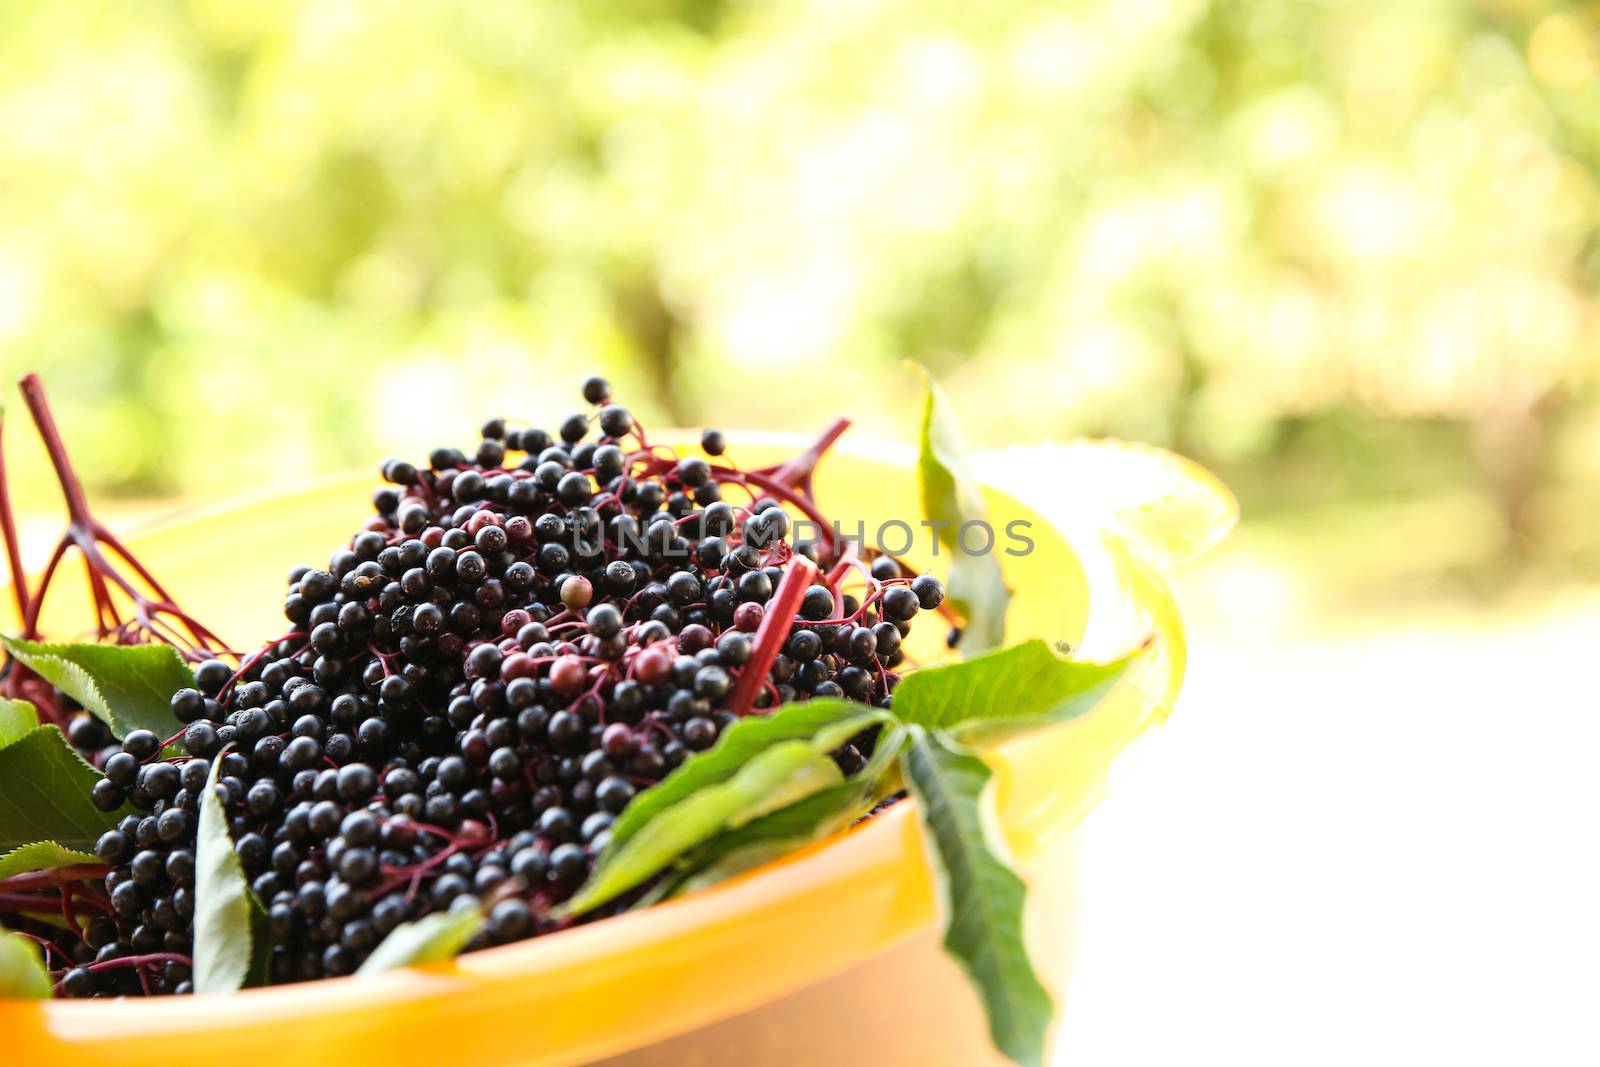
[(44, 794), (227, 916), (1002, 693), (774, 835), (951, 497), (440, 936), (738, 744), (17, 717), (22, 972), (774, 778), (740, 861), (839, 734), (982, 896), (787, 829), (42, 856), (128, 687)]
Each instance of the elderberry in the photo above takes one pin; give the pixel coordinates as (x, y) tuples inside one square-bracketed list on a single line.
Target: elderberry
[(523, 637)]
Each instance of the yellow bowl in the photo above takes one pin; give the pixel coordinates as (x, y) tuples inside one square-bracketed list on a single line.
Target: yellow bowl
[(831, 955)]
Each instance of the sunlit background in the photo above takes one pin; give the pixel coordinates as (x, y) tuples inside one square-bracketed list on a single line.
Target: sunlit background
[(1343, 253)]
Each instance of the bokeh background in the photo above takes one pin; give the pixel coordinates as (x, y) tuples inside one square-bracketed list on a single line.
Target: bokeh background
[(1343, 253)]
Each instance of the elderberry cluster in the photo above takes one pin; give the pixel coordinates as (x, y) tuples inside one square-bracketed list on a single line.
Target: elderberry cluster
[(521, 639)]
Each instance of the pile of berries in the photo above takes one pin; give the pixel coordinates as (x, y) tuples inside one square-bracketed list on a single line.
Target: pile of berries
[(519, 641)]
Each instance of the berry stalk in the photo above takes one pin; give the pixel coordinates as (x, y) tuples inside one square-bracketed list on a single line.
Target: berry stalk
[(156, 617), (796, 473), (773, 631), (8, 530), (56, 876)]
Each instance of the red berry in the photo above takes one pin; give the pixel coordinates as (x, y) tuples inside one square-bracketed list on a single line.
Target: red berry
[(618, 741), (693, 638), (518, 665), (519, 530), (567, 675), (653, 666)]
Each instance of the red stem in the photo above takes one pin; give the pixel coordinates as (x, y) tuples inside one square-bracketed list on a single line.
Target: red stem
[(77, 503), (54, 877), (100, 596), (29, 902), (795, 471), (110, 540), (781, 492), (252, 660), (155, 616), (46, 944), (67, 911), (30, 618), (8, 528), (140, 961), (772, 633)]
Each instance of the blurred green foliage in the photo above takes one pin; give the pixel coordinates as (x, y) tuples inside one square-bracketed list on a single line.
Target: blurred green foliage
[(1343, 251)]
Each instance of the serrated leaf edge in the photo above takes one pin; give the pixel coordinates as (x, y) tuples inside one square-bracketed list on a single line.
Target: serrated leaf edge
[(1010, 1032), (84, 689)]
